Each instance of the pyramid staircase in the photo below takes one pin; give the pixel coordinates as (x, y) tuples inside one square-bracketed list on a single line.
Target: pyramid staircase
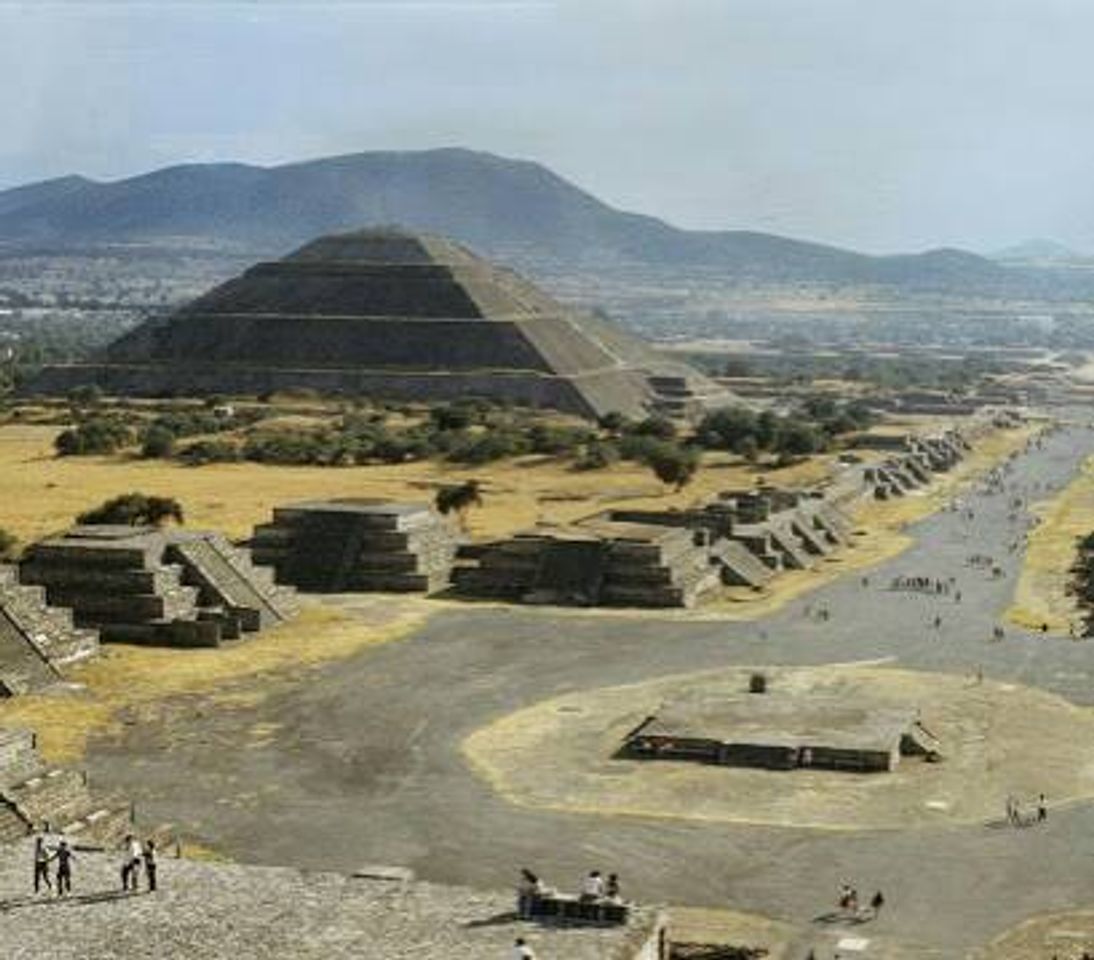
[(153, 586), (36, 640), (33, 793)]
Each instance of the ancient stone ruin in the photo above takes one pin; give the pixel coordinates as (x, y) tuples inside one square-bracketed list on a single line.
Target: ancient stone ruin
[(36, 640), (393, 315), (33, 793), (658, 558), (339, 546), (597, 562), (155, 586), (781, 732)]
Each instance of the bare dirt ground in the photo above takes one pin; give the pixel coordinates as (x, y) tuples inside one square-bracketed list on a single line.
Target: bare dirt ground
[(124, 684), (996, 739)]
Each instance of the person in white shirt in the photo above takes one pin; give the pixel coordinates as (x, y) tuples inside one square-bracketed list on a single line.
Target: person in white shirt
[(521, 950), (131, 862), (593, 886)]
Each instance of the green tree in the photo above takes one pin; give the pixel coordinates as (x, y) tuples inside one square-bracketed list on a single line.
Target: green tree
[(674, 465), (134, 509), (158, 442), (458, 499)]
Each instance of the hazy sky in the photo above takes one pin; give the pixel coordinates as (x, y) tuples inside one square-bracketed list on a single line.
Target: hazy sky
[(878, 124)]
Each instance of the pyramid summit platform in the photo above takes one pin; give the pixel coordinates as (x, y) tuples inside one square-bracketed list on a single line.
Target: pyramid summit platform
[(392, 315)]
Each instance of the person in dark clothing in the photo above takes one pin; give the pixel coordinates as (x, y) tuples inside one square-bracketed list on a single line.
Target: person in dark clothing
[(63, 856), (1042, 809), (611, 889), (150, 864), (877, 901), (41, 865)]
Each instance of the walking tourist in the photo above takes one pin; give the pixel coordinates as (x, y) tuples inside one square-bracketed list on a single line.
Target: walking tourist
[(41, 864), (1042, 809), (131, 862), (64, 857), (149, 857), (877, 901)]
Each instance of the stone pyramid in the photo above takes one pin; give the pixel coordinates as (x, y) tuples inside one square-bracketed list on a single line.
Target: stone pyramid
[(392, 315)]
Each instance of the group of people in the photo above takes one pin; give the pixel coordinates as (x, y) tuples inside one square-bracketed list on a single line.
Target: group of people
[(849, 903), (1017, 818), (935, 585), (594, 889), (52, 849)]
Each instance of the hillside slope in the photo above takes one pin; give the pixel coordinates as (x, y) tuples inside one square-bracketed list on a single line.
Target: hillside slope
[(499, 206)]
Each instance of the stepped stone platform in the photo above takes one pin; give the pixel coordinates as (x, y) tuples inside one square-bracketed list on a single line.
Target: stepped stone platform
[(220, 911), (350, 545), (156, 586), (394, 315), (658, 558), (780, 732), (598, 562), (33, 793), (36, 640)]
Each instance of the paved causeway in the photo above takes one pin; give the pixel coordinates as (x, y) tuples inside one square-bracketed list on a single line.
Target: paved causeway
[(360, 761)]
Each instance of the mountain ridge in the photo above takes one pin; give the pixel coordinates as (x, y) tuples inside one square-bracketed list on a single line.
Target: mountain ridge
[(495, 204)]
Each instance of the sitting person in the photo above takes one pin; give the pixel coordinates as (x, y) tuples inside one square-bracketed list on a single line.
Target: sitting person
[(592, 888), (611, 890)]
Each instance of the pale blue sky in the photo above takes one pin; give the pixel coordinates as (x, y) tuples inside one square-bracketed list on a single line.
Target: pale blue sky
[(878, 124)]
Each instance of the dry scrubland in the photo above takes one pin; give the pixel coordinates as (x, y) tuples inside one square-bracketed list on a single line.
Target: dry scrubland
[(40, 493), (1042, 593)]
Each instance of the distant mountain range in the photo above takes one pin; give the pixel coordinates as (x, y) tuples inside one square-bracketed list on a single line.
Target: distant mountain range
[(1039, 251), (501, 207)]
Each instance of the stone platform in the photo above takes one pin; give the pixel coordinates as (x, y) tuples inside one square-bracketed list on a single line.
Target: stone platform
[(36, 640), (151, 585), (351, 545)]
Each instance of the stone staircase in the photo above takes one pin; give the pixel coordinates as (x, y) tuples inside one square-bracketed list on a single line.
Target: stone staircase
[(36, 639), (152, 586), (227, 581), (33, 793)]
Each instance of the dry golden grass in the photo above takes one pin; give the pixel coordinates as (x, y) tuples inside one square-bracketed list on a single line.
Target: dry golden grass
[(702, 925), (40, 493), (1049, 935), (125, 679), (1041, 595)]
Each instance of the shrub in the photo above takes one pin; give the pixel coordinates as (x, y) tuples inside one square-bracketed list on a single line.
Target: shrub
[(597, 456), (674, 465), (8, 543), (558, 440), (659, 427), (96, 435), (487, 447), (457, 499), (134, 509), (158, 442), (201, 452)]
